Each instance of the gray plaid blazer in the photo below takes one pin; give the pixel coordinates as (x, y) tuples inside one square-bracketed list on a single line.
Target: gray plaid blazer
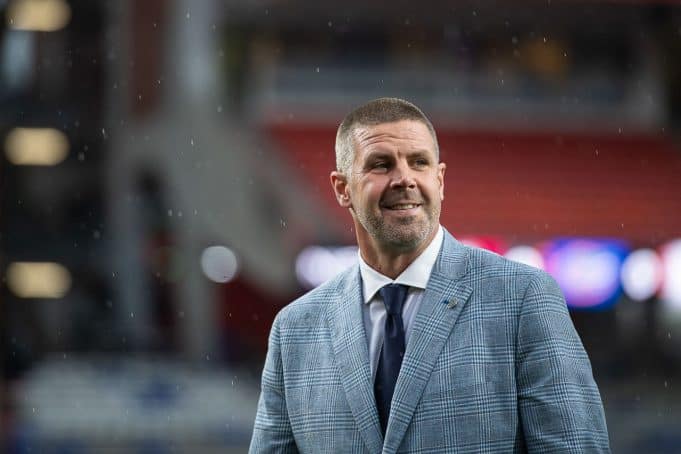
[(493, 365)]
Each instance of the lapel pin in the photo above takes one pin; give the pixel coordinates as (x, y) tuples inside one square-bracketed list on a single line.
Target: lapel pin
[(452, 304)]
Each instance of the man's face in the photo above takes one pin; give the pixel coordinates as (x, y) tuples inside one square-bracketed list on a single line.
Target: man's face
[(395, 188)]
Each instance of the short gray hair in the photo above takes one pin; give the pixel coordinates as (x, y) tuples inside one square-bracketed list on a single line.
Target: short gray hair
[(375, 112)]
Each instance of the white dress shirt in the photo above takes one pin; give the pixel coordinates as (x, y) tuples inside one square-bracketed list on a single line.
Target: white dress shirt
[(415, 276)]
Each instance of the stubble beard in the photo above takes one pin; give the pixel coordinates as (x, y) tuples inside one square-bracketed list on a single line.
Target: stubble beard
[(403, 234)]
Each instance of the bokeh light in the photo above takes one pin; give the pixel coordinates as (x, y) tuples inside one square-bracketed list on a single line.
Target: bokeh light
[(671, 284), (36, 146), (587, 271), (490, 243), (38, 279), (38, 15), (641, 274), (317, 264), (219, 264), (527, 255)]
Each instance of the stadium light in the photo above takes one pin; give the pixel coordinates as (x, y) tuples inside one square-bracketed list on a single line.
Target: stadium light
[(38, 15), (36, 146), (38, 279), (527, 255), (587, 270), (317, 264), (671, 284), (219, 264), (641, 274)]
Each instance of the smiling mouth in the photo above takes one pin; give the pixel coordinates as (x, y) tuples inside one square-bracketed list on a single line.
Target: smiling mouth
[(402, 206)]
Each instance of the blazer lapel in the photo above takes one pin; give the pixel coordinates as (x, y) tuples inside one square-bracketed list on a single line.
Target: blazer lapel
[(442, 303), (352, 359)]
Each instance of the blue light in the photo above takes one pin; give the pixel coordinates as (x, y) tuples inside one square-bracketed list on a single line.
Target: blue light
[(587, 270)]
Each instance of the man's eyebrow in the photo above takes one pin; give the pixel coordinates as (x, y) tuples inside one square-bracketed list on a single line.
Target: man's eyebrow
[(377, 154), (384, 154), (424, 153)]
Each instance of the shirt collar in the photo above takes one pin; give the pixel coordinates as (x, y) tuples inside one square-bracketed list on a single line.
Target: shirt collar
[(415, 275)]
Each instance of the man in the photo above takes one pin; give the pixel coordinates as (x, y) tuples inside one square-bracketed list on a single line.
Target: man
[(426, 345)]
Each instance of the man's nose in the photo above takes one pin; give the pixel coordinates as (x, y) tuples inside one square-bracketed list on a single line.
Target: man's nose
[(402, 176)]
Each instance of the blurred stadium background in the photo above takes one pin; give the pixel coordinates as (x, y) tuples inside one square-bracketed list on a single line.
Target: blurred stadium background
[(165, 192)]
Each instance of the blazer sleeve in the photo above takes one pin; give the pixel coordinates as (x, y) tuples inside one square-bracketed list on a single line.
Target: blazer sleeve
[(560, 407), (272, 430)]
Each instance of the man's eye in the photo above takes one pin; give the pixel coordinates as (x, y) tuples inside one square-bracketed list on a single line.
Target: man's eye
[(379, 165), (421, 162)]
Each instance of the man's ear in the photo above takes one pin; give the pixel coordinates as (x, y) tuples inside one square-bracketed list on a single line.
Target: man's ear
[(339, 183)]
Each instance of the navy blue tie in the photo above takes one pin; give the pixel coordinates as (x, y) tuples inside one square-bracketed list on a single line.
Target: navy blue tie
[(390, 361)]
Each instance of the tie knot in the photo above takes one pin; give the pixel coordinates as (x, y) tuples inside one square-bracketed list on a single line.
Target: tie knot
[(393, 297)]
